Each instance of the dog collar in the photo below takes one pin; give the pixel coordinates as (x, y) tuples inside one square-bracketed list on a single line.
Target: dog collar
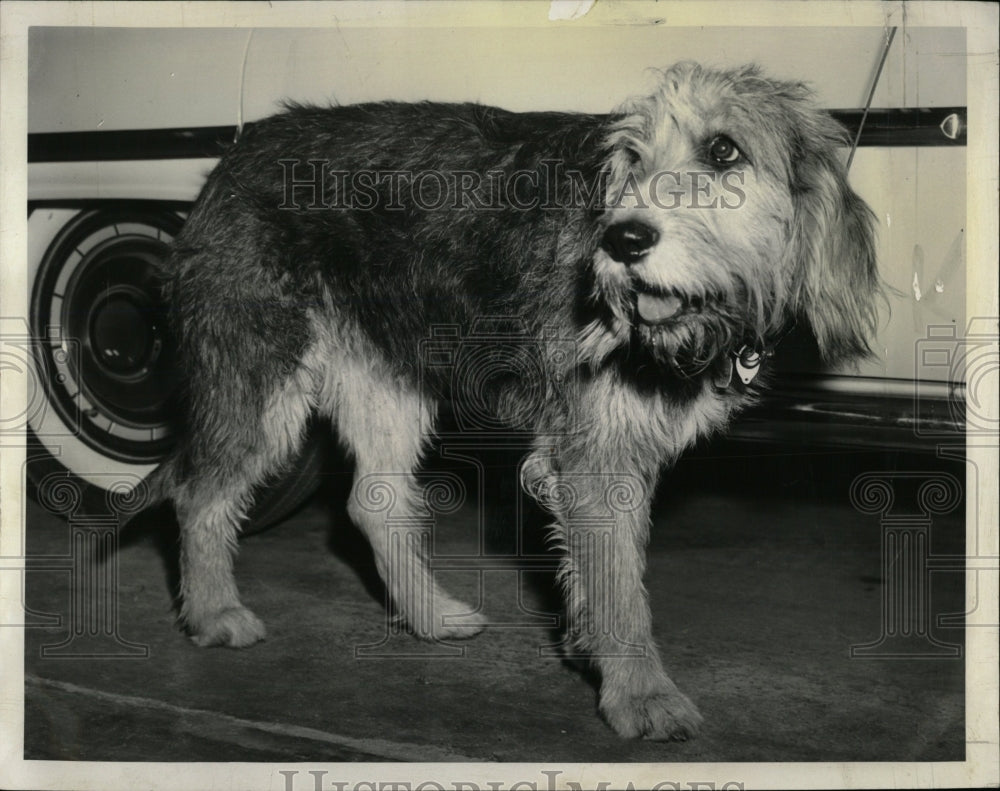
[(739, 368)]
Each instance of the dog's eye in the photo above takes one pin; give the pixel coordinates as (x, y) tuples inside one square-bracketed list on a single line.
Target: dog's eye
[(723, 151)]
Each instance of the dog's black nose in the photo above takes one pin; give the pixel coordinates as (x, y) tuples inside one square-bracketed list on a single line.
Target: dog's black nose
[(629, 241)]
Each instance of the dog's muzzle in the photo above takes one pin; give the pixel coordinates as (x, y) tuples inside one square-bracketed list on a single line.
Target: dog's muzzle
[(628, 242)]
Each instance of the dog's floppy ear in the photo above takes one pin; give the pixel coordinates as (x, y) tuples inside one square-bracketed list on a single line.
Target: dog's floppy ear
[(836, 283)]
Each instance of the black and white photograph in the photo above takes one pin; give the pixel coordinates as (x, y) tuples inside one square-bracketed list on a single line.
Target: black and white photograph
[(579, 394)]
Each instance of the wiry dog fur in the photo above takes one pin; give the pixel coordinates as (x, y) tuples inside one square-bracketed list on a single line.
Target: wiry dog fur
[(288, 308)]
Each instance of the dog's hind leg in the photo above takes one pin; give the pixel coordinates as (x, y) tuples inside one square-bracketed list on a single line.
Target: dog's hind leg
[(212, 502), (209, 515), (385, 424)]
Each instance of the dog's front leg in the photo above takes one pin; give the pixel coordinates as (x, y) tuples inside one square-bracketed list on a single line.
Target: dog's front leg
[(605, 517)]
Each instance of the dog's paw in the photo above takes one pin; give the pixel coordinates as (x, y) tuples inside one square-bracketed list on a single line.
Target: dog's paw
[(660, 716), (459, 627), (447, 619), (455, 620), (235, 627)]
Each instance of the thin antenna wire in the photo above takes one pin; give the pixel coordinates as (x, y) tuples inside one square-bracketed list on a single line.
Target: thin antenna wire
[(871, 93), (243, 77)]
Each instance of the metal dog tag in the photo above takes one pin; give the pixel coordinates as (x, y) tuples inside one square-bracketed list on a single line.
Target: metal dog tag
[(747, 364)]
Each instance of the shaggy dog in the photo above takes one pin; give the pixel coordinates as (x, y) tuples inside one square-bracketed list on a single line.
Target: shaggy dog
[(647, 262)]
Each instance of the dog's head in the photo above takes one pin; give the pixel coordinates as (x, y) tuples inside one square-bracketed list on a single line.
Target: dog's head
[(728, 215)]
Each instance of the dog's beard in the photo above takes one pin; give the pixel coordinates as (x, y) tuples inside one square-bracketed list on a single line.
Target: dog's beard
[(682, 334), (686, 334)]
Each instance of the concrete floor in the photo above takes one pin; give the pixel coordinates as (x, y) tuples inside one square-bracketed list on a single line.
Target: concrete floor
[(761, 575)]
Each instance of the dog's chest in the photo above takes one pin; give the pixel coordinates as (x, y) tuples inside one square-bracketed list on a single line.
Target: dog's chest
[(622, 421)]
